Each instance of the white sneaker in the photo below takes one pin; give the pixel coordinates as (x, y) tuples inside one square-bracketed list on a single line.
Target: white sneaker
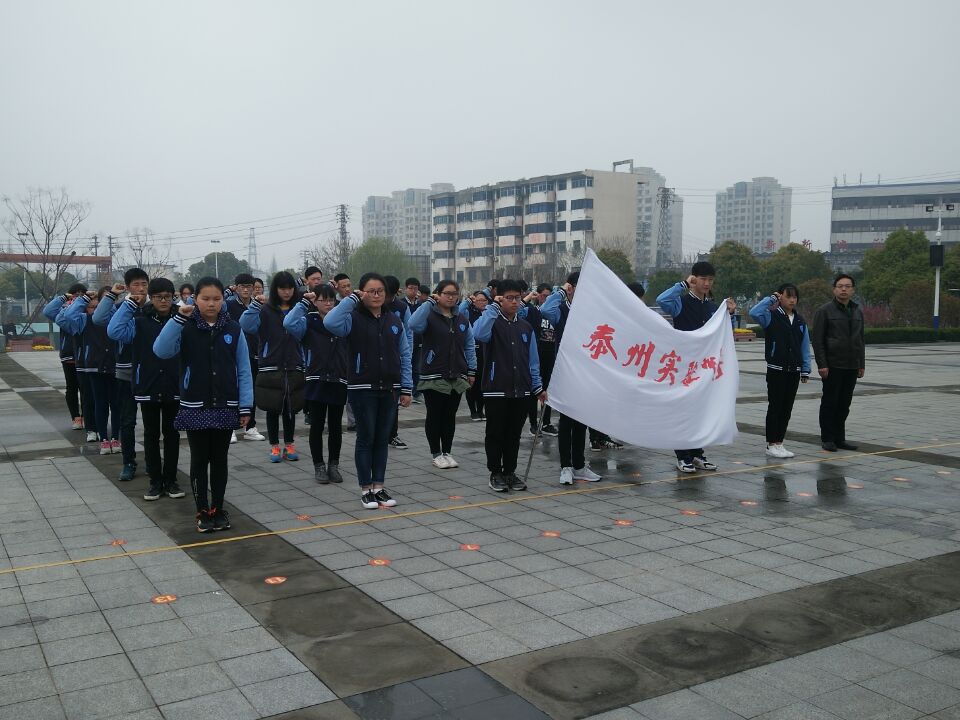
[(253, 434), (451, 463), (585, 473), (233, 437), (566, 476), (786, 453), (773, 450), (440, 461), (92, 436)]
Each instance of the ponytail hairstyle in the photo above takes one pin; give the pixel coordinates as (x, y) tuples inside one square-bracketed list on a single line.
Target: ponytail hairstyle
[(282, 279)]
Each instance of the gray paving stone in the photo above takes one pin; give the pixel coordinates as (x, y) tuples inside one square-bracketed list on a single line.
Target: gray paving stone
[(914, 690), (48, 708), (16, 636), (226, 705), (470, 596), (176, 685), (944, 669), (249, 669), (745, 694), (154, 660), (59, 652), (931, 635), (859, 703), (594, 621), (485, 646), (106, 701), (136, 615), (683, 705), (450, 625), (92, 672), (20, 659), (892, 649), (240, 642), (158, 633), (539, 634), (798, 711), (287, 693)]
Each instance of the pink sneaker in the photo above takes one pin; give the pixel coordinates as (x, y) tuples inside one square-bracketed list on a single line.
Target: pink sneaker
[(114, 446), (104, 447)]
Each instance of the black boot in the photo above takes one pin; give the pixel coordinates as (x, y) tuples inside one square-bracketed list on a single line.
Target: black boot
[(333, 473), (320, 473)]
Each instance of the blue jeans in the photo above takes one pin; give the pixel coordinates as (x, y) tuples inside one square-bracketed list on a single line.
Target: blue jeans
[(374, 411), (106, 405)]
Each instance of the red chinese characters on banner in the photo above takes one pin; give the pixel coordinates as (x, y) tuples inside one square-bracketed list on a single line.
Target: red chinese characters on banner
[(639, 355), (601, 342), (668, 367), (691, 377), (715, 364)]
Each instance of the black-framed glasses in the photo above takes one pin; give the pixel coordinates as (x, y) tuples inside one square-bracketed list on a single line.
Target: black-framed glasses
[(162, 298), (450, 294), (512, 298)]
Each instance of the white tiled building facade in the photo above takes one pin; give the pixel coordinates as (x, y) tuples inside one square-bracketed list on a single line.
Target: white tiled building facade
[(648, 220), (755, 214), (404, 218)]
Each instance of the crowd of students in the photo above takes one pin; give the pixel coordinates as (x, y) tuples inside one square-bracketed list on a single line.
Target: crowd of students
[(202, 358)]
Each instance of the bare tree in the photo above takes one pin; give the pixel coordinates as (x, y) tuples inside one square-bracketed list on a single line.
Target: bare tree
[(331, 257), (42, 224), (144, 250)]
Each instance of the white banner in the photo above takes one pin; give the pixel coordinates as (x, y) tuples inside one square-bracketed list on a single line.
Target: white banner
[(623, 370)]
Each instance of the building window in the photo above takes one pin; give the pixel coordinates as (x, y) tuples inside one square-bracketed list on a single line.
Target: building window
[(507, 192), (542, 186), (561, 205), (443, 237), (576, 246), (464, 234), (539, 228), (582, 204), (483, 215), (508, 231), (561, 247), (481, 196), (581, 225), (464, 217), (561, 225), (582, 181), (443, 201), (543, 207), (510, 211), (443, 219), (561, 184)]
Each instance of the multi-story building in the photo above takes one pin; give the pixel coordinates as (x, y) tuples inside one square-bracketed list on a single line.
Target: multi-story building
[(536, 228), (404, 218), (755, 214), (648, 220), (862, 216)]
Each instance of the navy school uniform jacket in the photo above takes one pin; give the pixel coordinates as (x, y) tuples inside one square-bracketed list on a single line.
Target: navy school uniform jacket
[(123, 352), (400, 308), (688, 311), (325, 354), (153, 379), (449, 349), (379, 352), (786, 344), (97, 354), (68, 341), (511, 365), (555, 310), (214, 362), (278, 349), (235, 309)]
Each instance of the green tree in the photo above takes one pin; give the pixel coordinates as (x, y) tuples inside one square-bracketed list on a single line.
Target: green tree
[(813, 294), (382, 256), (904, 258), (912, 306), (660, 281), (225, 265), (950, 274), (738, 271), (618, 262), (792, 263)]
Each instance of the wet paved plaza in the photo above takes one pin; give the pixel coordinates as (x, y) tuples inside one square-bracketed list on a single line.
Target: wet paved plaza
[(825, 586)]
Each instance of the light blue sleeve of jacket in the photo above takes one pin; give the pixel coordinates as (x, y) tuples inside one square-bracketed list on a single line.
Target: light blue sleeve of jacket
[(52, 308), (250, 319), (669, 299), (483, 327), (406, 363), (73, 318), (339, 321), (105, 309), (805, 352), (244, 376), (167, 344), (470, 347), (535, 383), (123, 324), (406, 324), (295, 322), (463, 306), (761, 311), (418, 321), (551, 306)]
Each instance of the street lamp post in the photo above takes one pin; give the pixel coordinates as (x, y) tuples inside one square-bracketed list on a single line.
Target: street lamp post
[(216, 259), (936, 257), (26, 301)]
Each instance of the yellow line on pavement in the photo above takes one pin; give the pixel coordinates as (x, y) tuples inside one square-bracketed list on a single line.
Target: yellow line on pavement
[(466, 506)]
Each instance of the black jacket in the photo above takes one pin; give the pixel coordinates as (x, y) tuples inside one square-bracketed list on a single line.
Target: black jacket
[(837, 336), (443, 355), (279, 350), (326, 354)]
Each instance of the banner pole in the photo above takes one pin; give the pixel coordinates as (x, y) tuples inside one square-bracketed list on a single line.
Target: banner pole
[(533, 446)]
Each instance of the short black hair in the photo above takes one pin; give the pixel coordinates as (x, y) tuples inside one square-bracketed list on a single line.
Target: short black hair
[(340, 276), (367, 277), (77, 288), (243, 279), (637, 289), (574, 277), (209, 281), (703, 269), (259, 280), (135, 274), (424, 290), (411, 281), (160, 285), (510, 285), (326, 291), (525, 284), (841, 276), (392, 283), (311, 270), (186, 286), (544, 286), (789, 289)]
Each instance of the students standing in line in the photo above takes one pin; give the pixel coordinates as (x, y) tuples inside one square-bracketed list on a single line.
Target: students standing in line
[(379, 367), (97, 363), (546, 351), (448, 366), (691, 307), (326, 392), (787, 350), (69, 348), (280, 383), (216, 392), (239, 297), (186, 294), (473, 309), (511, 374), (343, 286), (414, 299), (135, 281), (155, 382), (399, 308), (573, 434)]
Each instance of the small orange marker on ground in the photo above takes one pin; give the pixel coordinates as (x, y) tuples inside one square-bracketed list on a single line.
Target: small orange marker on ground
[(379, 562), (118, 542), (689, 512), (550, 533), (163, 599), (748, 503), (275, 580), (804, 494), (902, 479), (623, 523), (855, 486), (304, 517), (455, 497), (469, 546)]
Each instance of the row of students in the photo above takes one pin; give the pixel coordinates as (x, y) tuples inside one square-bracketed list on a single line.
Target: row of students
[(79, 400)]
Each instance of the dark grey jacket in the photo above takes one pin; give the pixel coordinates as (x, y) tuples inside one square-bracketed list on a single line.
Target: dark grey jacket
[(837, 336)]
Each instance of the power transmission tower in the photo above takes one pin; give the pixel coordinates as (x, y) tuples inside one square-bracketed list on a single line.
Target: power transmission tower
[(252, 252), (664, 246), (342, 245), (96, 245)]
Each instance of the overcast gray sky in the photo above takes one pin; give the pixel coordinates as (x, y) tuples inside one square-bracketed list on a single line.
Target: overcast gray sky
[(178, 115)]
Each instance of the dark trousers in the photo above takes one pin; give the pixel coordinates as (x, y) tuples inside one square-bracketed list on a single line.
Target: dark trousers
[(273, 425), (254, 369), (475, 399), (690, 454), (781, 392), (106, 405), (332, 415), (548, 357), (395, 426), (86, 401), (73, 389), (572, 436), (208, 464), (158, 421), (128, 421), (505, 418), (441, 421), (835, 404), (415, 360), (374, 411)]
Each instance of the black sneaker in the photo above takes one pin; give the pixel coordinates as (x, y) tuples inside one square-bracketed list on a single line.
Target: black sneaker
[(205, 522), (127, 473), (221, 520), (383, 497), (515, 483), (611, 444), (333, 474), (351, 427), (596, 445), (154, 492), (175, 491), (307, 420), (369, 501), (498, 483), (533, 431), (320, 474), (398, 443), (550, 430), (476, 417)]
